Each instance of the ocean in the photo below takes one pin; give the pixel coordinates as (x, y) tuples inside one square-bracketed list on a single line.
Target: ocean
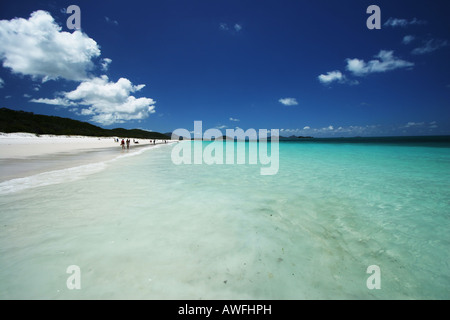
[(141, 227)]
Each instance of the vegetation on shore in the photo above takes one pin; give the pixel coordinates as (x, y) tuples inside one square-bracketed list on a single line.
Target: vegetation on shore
[(22, 121)]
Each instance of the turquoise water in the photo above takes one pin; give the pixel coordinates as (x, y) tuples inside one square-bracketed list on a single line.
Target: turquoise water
[(141, 227)]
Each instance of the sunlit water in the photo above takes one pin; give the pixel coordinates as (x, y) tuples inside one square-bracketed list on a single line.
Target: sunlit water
[(140, 227)]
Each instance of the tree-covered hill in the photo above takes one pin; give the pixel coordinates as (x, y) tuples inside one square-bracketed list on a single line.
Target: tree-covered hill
[(21, 121)]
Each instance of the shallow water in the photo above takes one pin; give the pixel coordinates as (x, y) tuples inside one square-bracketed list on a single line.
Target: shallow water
[(140, 227)]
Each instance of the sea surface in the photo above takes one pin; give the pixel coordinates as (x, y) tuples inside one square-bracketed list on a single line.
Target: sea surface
[(139, 226)]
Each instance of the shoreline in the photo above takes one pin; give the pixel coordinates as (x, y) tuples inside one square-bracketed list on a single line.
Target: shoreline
[(25, 154)]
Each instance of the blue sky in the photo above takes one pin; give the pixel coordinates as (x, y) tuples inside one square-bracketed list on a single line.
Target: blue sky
[(304, 67)]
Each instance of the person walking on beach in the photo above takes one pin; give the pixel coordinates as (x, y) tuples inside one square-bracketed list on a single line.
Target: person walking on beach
[(128, 143), (122, 143)]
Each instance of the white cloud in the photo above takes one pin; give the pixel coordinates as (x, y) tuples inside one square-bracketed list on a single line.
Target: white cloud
[(105, 64), (87, 112), (395, 22), (2, 83), (331, 131), (331, 76), (37, 47), (107, 102), (385, 61), (430, 46), (410, 128), (288, 101), (56, 101), (414, 124), (111, 21), (225, 27), (233, 119), (408, 39)]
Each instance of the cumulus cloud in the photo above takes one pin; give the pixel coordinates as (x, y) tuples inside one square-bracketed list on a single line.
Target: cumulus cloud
[(2, 83), (288, 101), (37, 47), (408, 39), (233, 119), (331, 76), (385, 61), (395, 22), (430, 46), (237, 27), (105, 101)]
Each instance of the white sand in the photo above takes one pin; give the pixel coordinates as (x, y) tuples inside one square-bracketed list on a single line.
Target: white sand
[(24, 145)]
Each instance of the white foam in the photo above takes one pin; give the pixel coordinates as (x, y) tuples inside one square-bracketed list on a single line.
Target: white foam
[(63, 175), (51, 177)]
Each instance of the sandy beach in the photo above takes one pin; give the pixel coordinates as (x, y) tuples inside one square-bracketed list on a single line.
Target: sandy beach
[(25, 154), (23, 145)]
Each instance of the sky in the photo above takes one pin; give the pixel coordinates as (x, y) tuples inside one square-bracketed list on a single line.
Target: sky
[(303, 67)]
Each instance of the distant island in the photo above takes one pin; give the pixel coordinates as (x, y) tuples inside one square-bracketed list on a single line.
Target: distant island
[(22, 121)]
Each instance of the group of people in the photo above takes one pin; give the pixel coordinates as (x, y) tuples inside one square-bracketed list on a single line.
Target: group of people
[(127, 142), (122, 143)]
